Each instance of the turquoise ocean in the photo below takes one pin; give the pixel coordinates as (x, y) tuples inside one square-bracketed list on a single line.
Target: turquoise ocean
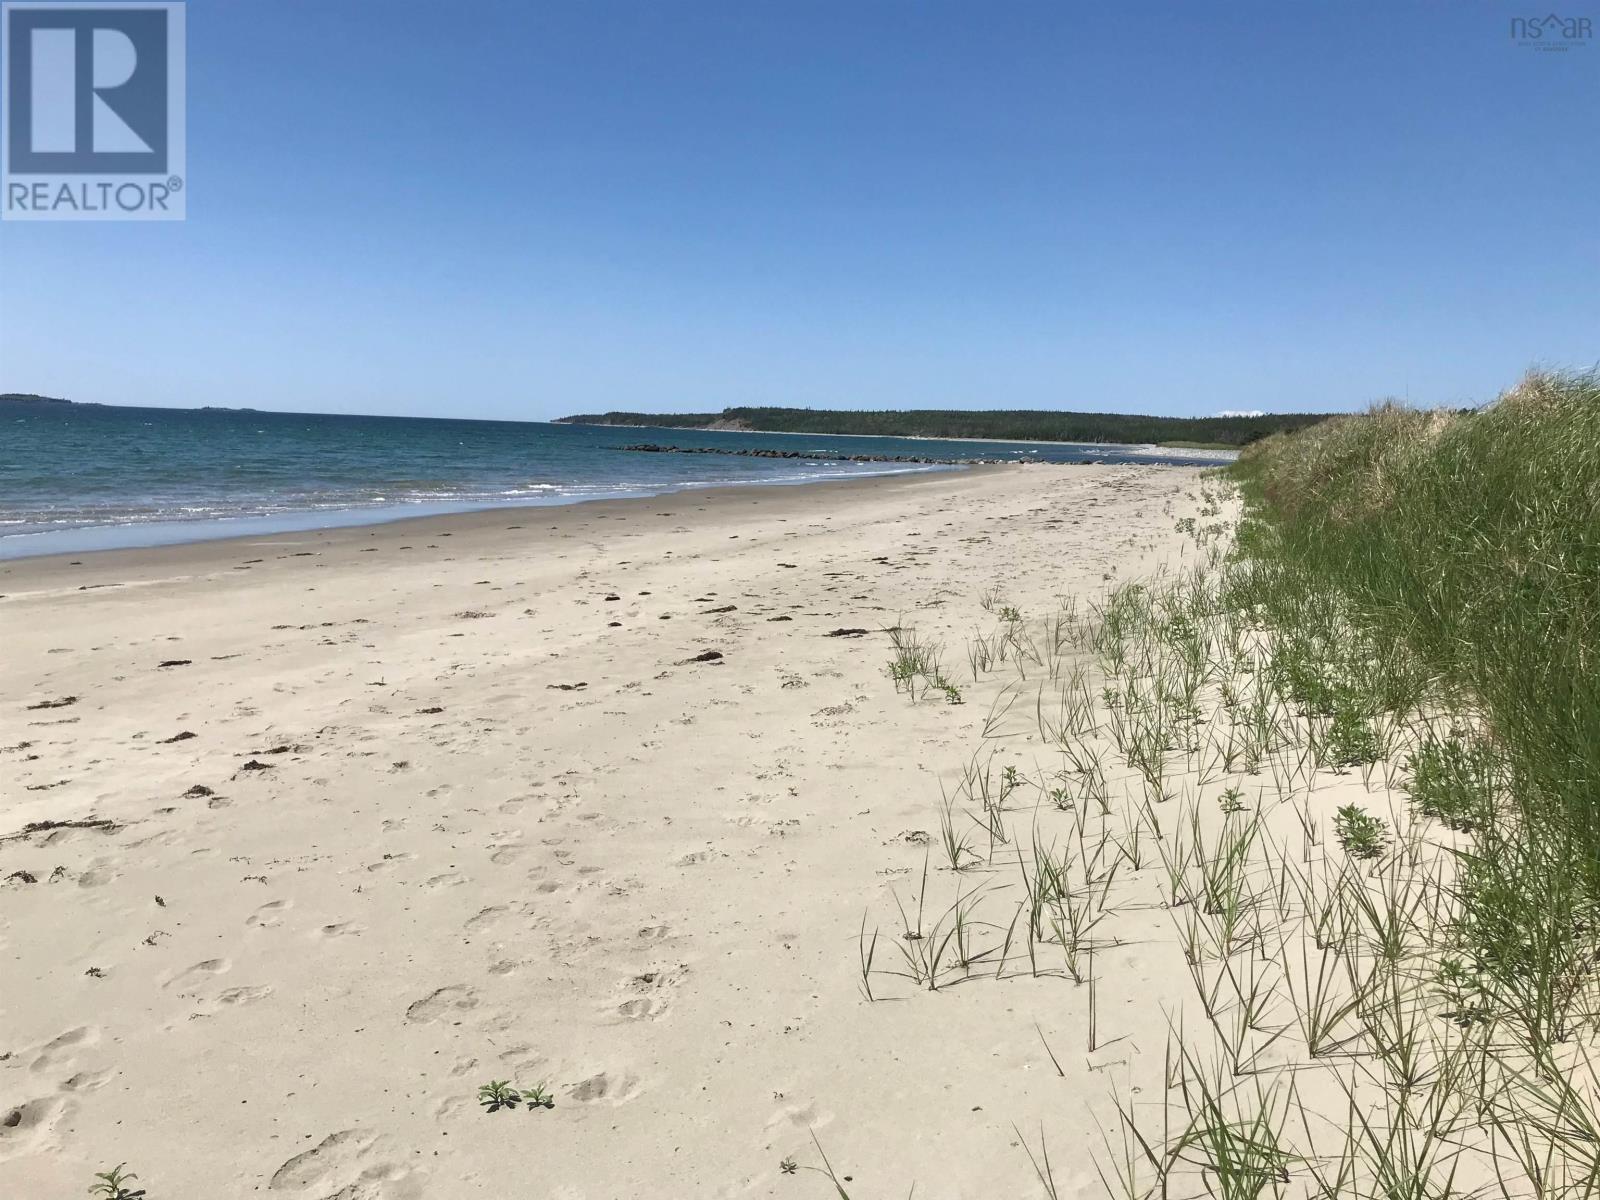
[(87, 477)]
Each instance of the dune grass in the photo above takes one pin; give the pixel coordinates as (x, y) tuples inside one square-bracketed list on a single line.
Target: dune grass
[(1465, 550), (1353, 751)]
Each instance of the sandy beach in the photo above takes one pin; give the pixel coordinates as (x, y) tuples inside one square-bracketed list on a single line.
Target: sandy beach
[(466, 733), (595, 796)]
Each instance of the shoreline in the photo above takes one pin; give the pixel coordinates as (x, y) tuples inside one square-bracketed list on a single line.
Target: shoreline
[(203, 552), (145, 535)]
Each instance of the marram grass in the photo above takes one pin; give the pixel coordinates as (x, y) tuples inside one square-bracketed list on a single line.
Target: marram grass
[(1466, 546)]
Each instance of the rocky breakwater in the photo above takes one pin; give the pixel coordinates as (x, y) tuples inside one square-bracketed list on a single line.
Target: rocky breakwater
[(818, 455)]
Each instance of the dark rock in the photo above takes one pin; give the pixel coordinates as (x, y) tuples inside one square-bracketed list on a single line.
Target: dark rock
[(816, 456)]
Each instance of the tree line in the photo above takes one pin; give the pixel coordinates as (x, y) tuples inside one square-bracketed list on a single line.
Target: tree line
[(1021, 425)]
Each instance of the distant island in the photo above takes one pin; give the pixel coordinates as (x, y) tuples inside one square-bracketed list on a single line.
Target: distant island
[(1011, 425), (30, 398), (35, 398)]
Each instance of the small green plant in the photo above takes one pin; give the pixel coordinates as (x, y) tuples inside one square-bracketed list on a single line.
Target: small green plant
[(788, 1166), (953, 841), (1360, 834), (1462, 991), (952, 694), (1350, 741), (498, 1094), (1452, 780), (1232, 801), (113, 1185), (867, 951), (915, 665)]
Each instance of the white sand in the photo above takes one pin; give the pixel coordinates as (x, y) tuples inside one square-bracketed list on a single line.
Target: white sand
[(646, 890)]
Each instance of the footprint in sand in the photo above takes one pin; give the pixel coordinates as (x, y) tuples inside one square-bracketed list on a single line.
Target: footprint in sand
[(342, 1164), (26, 1128), (647, 995), (604, 1088), (268, 914), (485, 920), (799, 1116), (639, 1008), (239, 996), (88, 1081), (198, 974), (340, 929), (59, 1050), (524, 1062), (98, 874), (441, 1004)]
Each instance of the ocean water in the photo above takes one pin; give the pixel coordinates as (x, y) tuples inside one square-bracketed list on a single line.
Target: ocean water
[(82, 477)]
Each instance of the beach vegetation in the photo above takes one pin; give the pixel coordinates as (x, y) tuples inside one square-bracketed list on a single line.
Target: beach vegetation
[(1361, 835), (1393, 950), (498, 1094), (115, 1184)]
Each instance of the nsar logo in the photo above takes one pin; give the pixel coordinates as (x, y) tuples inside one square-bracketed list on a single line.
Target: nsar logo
[(1551, 32)]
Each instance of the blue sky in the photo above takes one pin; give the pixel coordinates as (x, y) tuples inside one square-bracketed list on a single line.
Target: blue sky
[(522, 210)]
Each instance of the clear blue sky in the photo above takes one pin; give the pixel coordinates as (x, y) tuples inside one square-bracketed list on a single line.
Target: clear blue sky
[(528, 209)]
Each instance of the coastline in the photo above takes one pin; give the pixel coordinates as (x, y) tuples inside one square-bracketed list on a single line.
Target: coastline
[(478, 523), (592, 795), (1143, 448), (131, 476), (100, 539)]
